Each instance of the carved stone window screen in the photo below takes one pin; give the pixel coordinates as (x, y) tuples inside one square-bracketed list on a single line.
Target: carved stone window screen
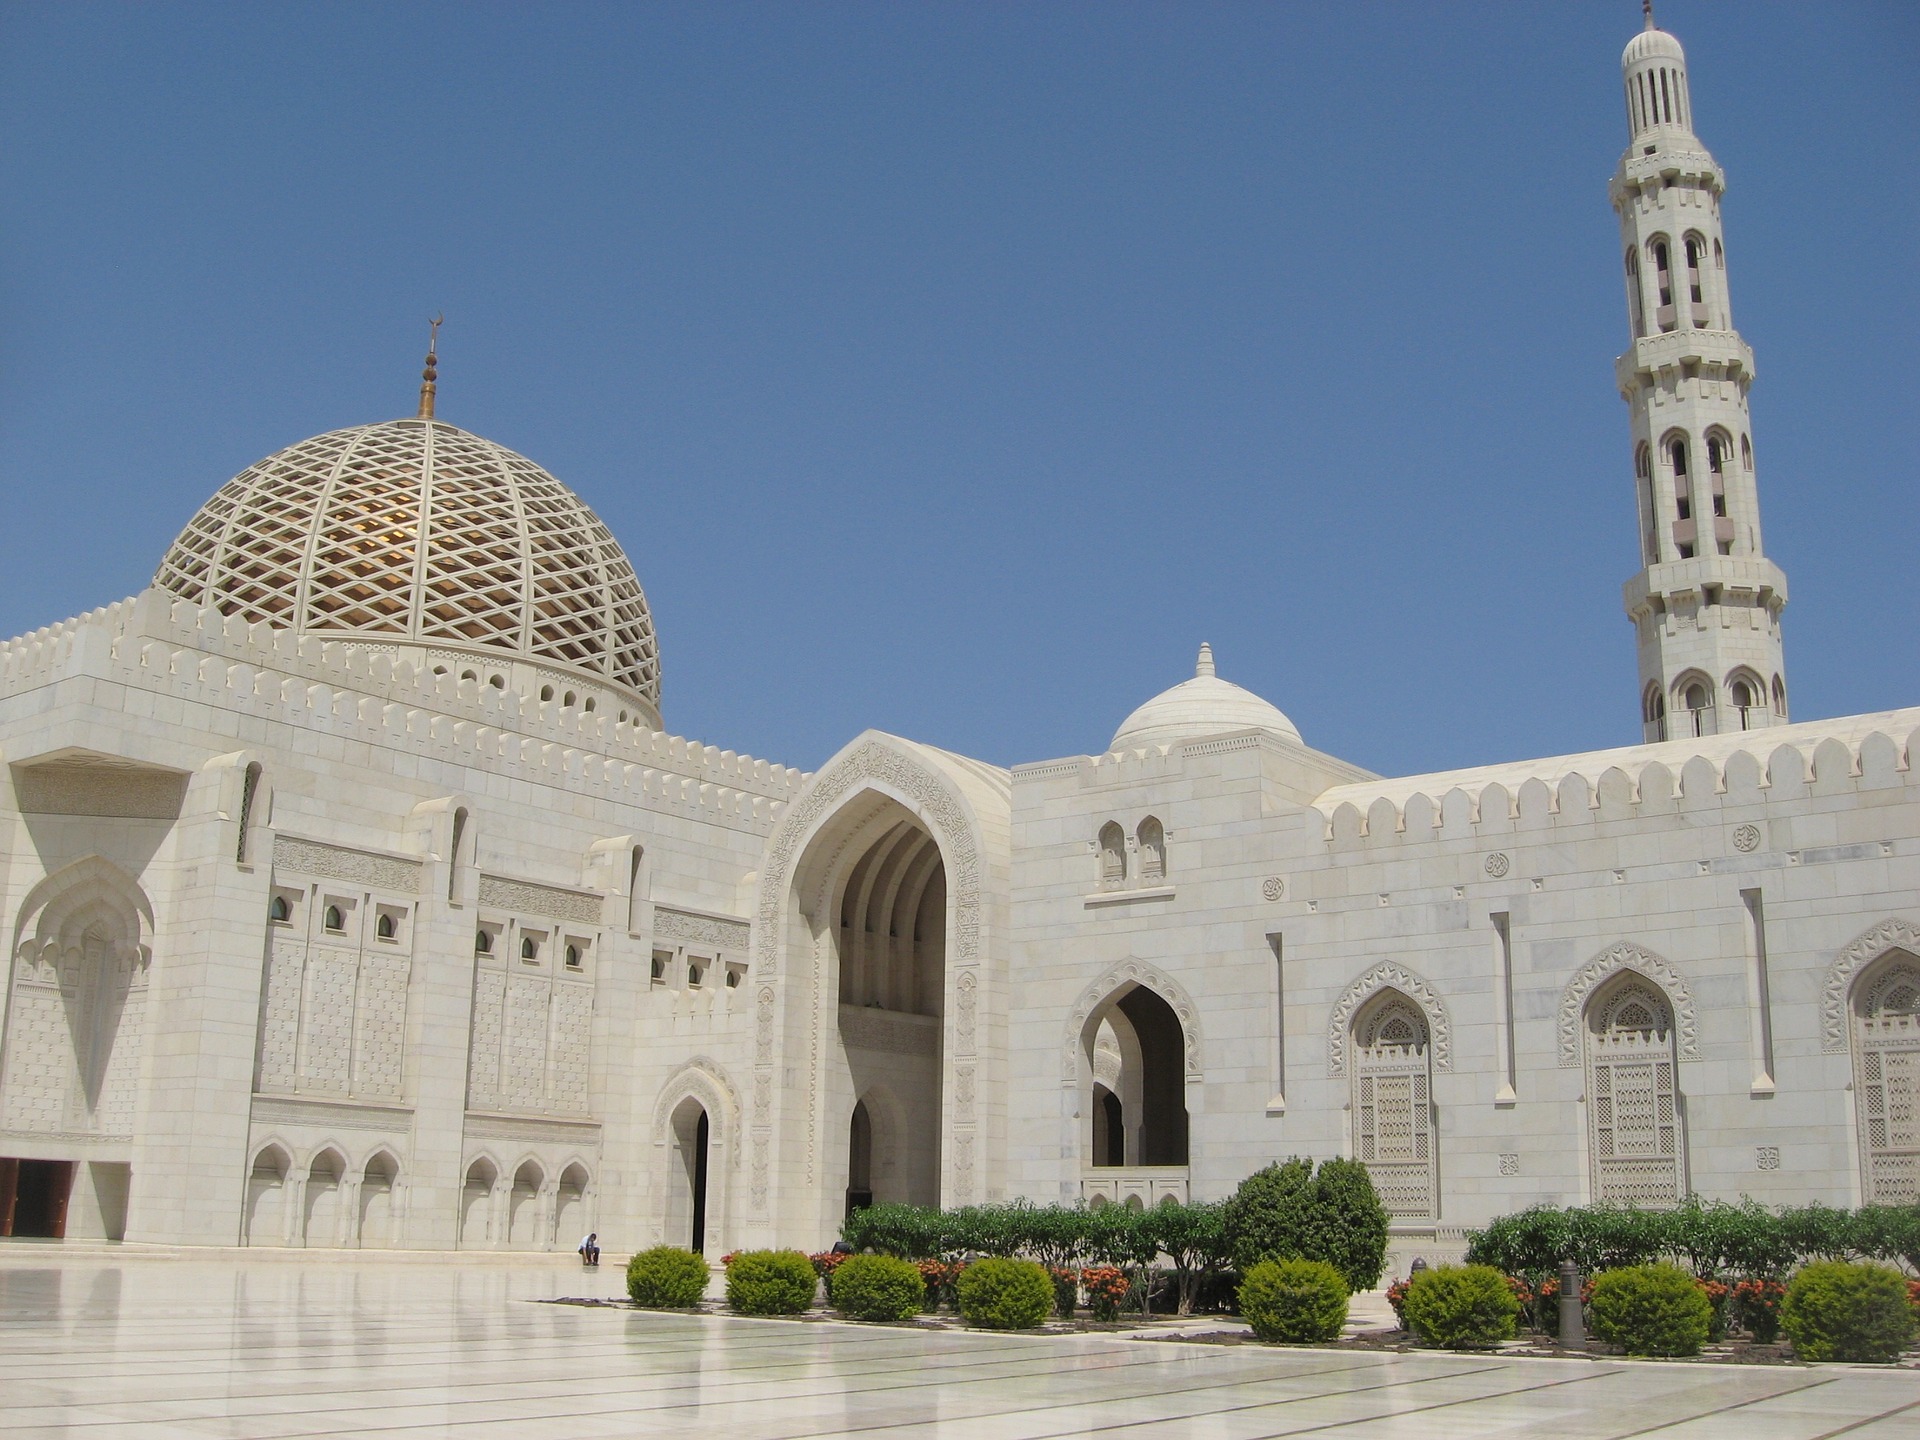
[(1392, 1087), (1886, 1063), (1633, 1103)]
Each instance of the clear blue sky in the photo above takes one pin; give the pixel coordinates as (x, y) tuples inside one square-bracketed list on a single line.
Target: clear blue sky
[(956, 369)]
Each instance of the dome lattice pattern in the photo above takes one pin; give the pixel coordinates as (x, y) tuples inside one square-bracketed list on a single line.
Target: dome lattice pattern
[(325, 538)]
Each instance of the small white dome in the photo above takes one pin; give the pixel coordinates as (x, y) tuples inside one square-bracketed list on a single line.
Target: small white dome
[(1204, 705), (1652, 45)]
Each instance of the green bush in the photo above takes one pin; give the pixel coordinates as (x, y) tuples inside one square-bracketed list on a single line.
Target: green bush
[(1837, 1311), (1294, 1302), (877, 1287), (1462, 1307), (1004, 1294), (770, 1282), (1287, 1212), (666, 1278), (1651, 1310)]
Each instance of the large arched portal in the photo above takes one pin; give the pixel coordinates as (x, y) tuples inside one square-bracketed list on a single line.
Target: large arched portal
[(886, 899), (1134, 1105), (687, 1180)]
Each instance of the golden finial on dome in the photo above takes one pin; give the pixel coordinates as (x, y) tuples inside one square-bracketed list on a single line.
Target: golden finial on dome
[(431, 375)]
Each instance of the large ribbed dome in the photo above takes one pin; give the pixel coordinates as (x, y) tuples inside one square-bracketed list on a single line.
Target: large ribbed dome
[(419, 535), (1204, 705)]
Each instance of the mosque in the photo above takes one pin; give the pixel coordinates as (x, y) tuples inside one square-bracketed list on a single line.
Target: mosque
[(355, 896)]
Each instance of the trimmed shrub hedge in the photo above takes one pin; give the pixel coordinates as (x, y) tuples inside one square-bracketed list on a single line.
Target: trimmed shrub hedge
[(770, 1282), (1294, 1302), (877, 1287), (1003, 1294), (1654, 1309), (1836, 1311), (666, 1278), (1289, 1212), (1461, 1307)]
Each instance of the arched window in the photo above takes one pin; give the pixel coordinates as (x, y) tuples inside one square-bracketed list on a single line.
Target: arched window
[(476, 1205), (1719, 462), (1113, 854), (1643, 473), (1779, 697), (588, 707), (573, 957), (498, 682), (569, 700), (1663, 282), (1392, 1098), (1653, 713), (1685, 529), (1695, 695), (546, 692), (470, 675), (1153, 851), (1886, 1078), (333, 920), (1696, 294), (1746, 454), (384, 927), (1633, 1098), (279, 911), (529, 948), (483, 942), (1747, 695), (1636, 302)]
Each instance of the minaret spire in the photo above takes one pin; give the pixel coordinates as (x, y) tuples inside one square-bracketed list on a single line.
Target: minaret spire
[(1646, 9), (1706, 604), (429, 377)]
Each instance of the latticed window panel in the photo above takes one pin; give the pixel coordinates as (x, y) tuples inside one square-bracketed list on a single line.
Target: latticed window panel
[(414, 529), (1887, 1079), (1633, 1107), (1393, 1106)]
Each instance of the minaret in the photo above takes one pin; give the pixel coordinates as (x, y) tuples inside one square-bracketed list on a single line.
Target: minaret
[(1706, 604)]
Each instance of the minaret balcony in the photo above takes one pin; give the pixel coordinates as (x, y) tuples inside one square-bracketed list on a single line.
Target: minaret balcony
[(1651, 354), (1670, 580)]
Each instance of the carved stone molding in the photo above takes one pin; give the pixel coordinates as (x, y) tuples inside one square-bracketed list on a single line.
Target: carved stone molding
[(1603, 967), (337, 862), (1137, 972), (690, 928), (330, 1114), (1893, 933), (1389, 975), (889, 1031), (583, 907), (532, 1131)]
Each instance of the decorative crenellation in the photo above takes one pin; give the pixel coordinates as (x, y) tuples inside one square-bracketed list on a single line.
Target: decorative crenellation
[(692, 928), (1894, 933), (1603, 967), (524, 896), (157, 642), (338, 862), (1389, 975), (1749, 768)]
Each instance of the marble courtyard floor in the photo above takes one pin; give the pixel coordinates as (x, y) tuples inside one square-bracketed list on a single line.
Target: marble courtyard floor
[(111, 1343)]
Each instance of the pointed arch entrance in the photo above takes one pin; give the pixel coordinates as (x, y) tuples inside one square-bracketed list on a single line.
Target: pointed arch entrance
[(872, 983), (1133, 1054)]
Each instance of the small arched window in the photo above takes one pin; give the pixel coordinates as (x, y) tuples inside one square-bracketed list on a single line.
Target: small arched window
[(529, 948), (573, 957), (470, 675), (1153, 851), (482, 942), (588, 707), (384, 927), (546, 692), (1779, 697), (1653, 712), (439, 669), (569, 699), (1696, 253), (332, 920), (1746, 454), (498, 682), (1113, 854), (1696, 696), (1643, 472), (278, 910), (1636, 302), (1663, 282)]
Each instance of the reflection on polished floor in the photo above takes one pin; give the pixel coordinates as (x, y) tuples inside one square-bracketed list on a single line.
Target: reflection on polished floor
[(152, 1347)]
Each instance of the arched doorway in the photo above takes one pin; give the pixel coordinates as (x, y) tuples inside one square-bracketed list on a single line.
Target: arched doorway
[(687, 1180), (523, 1207), (377, 1227), (1135, 1103), (1392, 1104), (859, 1159), (1634, 1121), (476, 1205), (322, 1221), (266, 1197), (1886, 1069)]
